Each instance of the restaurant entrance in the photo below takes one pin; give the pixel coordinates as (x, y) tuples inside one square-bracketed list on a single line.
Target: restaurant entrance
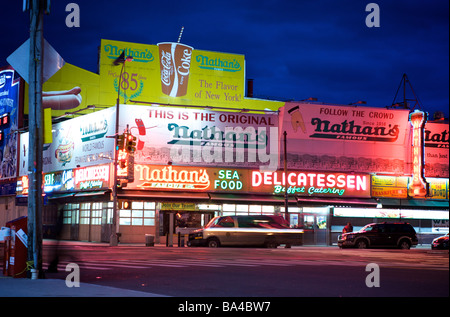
[(315, 223)]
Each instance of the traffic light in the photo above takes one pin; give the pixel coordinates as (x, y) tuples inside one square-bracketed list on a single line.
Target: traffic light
[(130, 145), (120, 142), (123, 163)]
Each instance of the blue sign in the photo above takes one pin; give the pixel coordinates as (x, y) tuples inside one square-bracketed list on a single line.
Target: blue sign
[(9, 110)]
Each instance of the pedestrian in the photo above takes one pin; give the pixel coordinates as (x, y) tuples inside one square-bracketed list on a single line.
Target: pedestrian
[(348, 228)]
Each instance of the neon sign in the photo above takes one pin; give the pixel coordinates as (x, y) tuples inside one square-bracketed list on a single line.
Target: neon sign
[(311, 183), (91, 177), (171, 177), (418, 187), (228, 180)]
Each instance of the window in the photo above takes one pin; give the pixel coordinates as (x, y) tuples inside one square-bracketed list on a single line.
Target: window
[(71, 214), (85, 210), (222, 222), (141, 214)]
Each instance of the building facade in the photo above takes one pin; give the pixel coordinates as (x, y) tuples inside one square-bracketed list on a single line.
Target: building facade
[(203, 150)]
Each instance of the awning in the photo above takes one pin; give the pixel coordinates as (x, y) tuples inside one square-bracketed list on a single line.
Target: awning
[(249, 198), (60, 196), (327, 201), (414, 203), (126, 194), (91, 193)]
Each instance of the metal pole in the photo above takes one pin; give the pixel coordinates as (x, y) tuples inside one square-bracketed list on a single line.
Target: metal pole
[(114, 238), (286, 210), (113, 241), (35, 201)]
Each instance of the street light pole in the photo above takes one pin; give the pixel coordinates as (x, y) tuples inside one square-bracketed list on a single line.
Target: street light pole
[(114, 237), (35, 201), (286, 201)]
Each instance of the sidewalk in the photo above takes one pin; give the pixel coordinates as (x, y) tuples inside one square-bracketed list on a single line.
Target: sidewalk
[(24, 287)]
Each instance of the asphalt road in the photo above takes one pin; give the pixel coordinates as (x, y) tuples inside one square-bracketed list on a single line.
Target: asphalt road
[(252, 272)]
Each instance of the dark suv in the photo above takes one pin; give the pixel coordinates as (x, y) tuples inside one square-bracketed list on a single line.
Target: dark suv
[(401, 235)]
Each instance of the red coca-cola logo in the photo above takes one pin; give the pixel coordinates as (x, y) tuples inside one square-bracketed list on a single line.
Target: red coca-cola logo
[(167, 69)]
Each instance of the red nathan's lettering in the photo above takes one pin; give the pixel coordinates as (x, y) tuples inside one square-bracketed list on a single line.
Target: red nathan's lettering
[(350, 181)]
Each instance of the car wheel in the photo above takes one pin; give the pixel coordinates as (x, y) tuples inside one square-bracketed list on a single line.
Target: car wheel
[(405, 245), (213, 243), (361, 244)]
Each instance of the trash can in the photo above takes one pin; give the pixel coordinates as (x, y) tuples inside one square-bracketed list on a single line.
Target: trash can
[(149, 240)]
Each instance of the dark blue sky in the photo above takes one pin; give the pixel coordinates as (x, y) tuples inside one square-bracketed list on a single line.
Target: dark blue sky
[(294, 49)]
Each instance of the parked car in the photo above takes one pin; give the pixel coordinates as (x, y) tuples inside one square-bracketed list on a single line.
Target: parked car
[(268, 231), (440, 243), (401, 235)]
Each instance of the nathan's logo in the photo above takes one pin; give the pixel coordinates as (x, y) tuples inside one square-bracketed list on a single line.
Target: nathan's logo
[(93, 130), (353, 132), (139, 55), (437, 139), (236, 137), (172, 177), (226, 65)]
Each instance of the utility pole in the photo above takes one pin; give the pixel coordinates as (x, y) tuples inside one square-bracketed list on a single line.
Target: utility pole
[(35, 202), (286, 198)]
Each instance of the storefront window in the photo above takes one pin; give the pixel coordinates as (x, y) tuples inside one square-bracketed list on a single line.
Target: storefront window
[(140, 214), (85, 211), (70, 214), (228, 208), (268, 210)]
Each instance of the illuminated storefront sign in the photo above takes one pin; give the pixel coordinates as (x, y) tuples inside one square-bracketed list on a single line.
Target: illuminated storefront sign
[(397, 187), (312, 184), (171, 177), (418, 186), (250, 181), (389, 186), (92, 177), (84, 178)]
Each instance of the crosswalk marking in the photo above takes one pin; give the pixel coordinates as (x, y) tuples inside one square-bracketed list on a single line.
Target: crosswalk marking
[(105, 265)]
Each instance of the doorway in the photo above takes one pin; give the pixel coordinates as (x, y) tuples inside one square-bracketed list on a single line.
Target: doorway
[(315, 224), (183, 219)]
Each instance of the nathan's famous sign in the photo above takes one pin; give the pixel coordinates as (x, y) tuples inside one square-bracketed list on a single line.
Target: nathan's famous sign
[(345, 138), (213, 179), (201, 137)]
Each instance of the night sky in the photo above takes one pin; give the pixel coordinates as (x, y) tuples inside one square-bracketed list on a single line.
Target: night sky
[(294, 49)]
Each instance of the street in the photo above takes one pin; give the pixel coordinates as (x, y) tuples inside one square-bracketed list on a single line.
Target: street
[(257, 272)]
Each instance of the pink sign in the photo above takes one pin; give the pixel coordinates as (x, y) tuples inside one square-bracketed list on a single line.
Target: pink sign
[(346, 138)]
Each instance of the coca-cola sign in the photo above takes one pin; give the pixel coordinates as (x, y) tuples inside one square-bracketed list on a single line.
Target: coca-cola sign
[(175, 64)]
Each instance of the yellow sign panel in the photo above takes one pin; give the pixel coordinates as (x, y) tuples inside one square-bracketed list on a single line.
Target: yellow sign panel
[(389, 186), (397, 187), (167, 73), (179, 206), (438, 188), (69, 90), (207, 78)]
